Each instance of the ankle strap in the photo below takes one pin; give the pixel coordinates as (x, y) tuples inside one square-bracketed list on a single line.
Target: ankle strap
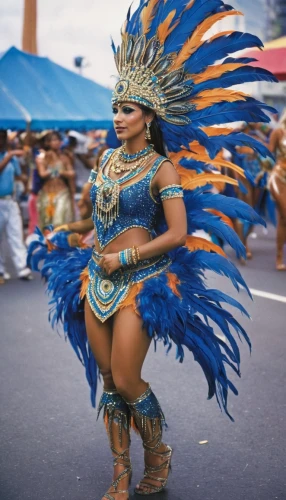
[(127, 467)]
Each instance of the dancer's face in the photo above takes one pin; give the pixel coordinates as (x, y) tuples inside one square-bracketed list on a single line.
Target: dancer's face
[(129, 121), (55, 142)]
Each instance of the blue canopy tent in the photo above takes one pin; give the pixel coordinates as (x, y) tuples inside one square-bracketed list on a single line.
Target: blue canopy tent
[(39, 94)]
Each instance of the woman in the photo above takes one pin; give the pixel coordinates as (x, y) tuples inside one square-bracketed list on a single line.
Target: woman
[(55, 200), (277, 184), (249, 160), (144, 278)]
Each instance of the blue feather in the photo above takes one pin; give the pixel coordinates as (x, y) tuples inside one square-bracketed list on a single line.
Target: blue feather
[(227, 112), (239, 209), (236, 139), (212, 51), (236, 77), (189, 21), (61, 269), (239, 60)]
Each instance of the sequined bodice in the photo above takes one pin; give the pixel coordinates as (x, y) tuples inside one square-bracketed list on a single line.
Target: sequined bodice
[(138, 207)]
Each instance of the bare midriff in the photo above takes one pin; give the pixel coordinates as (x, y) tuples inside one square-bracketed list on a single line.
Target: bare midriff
[(54, 185), (135, 236)]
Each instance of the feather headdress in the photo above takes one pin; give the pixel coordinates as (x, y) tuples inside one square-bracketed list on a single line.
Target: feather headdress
[(166, 63)]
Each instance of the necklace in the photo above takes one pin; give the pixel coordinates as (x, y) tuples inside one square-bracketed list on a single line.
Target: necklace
[(127, 158), (120, 163)]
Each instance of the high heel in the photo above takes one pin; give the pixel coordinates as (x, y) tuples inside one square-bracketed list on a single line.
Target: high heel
[(150, 470)]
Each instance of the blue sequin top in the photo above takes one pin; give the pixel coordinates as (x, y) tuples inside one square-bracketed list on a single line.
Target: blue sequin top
[(138, 207)]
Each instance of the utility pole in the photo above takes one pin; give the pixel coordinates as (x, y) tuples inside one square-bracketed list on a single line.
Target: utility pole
[(29, 37)]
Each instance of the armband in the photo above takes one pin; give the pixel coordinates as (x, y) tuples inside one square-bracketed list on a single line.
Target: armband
[(92, 176), (171, 191)]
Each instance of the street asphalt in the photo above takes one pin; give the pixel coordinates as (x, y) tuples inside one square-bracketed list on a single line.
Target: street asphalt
[(52, 448)]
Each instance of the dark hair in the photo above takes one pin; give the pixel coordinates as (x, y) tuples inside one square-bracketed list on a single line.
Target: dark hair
[(72, 141), (156, 134), (56, 134)]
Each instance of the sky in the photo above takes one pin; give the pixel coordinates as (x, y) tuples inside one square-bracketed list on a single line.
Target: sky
[(71, 28)]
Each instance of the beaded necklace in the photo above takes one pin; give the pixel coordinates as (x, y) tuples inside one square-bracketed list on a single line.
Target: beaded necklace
[(136, 156), (121, 161)]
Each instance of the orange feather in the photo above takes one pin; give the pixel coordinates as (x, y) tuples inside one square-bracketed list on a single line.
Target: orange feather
[(203, 179), (147, 17), (131, 297), (194, 243), (189, 5), (216, 131), (84, 277), (215, 72), (173, 282), (164, 29), (221, 33), (193, 43), (185, 174), (198, 153), (223, 217), (209, 97)]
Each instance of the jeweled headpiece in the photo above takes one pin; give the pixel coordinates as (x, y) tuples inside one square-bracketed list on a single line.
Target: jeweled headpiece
[(146, 77)]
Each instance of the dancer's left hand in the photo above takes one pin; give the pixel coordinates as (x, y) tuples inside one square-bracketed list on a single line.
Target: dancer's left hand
[(110, 263)]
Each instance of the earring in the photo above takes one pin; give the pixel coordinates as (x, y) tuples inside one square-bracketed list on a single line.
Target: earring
[(148, 133)]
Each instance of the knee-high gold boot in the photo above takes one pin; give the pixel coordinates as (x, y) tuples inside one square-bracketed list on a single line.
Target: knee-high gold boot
[(117, 421), (149, 421)]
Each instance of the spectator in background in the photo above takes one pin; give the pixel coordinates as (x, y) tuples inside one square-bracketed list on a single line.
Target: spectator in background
[(38, 147), (55, 200), (10, 218), (277, 185)]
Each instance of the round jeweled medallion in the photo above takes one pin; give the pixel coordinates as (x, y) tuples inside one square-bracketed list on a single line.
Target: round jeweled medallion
[(121, 87), (106, 286)]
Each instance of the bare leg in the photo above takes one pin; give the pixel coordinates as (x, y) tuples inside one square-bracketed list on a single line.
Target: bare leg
[(100, 340), (248, 198), (129, 348), (280, 242), (278, 192)]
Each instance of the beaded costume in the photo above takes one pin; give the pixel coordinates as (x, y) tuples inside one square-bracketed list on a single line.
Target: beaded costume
[(166, 63)]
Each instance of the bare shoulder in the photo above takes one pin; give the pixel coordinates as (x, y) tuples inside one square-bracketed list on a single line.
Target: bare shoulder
[(166, 174)]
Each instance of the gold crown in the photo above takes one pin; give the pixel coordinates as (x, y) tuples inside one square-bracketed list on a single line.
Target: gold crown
[(146, 78)]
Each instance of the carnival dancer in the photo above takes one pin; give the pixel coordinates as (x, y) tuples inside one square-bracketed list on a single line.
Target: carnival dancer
[(249, 161), (277, 184), (144, 277), (55, 200)]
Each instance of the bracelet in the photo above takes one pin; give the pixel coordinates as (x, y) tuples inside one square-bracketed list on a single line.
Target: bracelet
[(129, 257), (134, 256), (125, 257), (138, 254)]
